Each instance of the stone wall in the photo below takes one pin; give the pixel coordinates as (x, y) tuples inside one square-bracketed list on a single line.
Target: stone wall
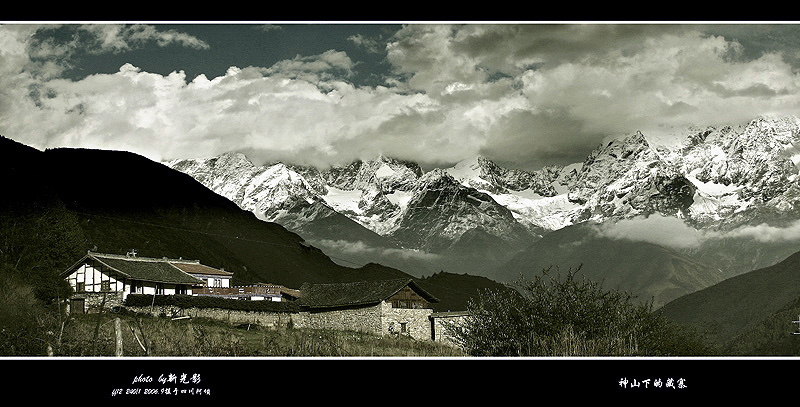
[(443, 321), (380, 319), (93, 300), (404, 321), (367, 319), (363, 319), (234, 317)]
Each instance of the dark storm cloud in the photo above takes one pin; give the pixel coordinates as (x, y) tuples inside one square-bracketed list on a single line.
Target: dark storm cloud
[(556, 43), (756, 40), (534, 140)]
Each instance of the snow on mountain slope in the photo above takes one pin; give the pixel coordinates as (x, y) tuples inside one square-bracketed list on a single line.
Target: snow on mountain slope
[(343, 201), (713, 176), (372, 192), (539, 201), (736, 169), (535, 211), (254, 188)]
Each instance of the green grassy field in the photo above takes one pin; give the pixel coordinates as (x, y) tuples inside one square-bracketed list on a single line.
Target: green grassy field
[(95, 335)]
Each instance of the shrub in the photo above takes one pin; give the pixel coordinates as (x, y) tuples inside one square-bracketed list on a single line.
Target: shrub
[(566, 316), (27, 325)]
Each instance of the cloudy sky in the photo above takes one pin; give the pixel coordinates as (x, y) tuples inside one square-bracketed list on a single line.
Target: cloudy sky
[(526, 95)]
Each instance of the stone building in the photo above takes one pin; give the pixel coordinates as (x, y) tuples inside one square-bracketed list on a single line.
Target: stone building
[(383, 307)]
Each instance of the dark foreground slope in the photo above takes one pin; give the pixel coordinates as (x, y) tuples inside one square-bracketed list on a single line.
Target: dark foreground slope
[(741, 304), (115, 202)]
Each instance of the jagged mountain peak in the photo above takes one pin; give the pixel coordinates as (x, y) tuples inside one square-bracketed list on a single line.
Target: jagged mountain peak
[(477, 159), (484, 174), (382, 172), (472, 167), (234, 158), (441, 209), (623, 147), (280, 172), (775, 119), (437, 175), (764, 128), (771, 131), (620, 155), (382, 158)]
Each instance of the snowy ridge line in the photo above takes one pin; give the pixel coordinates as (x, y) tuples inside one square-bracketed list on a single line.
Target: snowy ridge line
[(711, 174)]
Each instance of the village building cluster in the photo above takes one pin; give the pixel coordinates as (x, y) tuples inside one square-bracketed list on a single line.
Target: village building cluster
[(385, 307)]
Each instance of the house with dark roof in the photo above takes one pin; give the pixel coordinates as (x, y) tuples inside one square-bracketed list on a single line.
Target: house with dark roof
[(107, 279), (383, 307)]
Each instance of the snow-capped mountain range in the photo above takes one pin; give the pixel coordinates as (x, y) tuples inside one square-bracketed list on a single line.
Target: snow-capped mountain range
[(714, 178)]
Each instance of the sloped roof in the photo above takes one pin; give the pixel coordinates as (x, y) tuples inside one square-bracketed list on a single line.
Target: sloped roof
[(141, 268), (197, 268), (356, 293)]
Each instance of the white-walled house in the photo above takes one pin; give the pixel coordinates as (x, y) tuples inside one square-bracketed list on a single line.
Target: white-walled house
[(211, 276), (107, 279)]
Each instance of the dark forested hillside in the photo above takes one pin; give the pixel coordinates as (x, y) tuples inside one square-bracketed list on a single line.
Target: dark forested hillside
[(60, 203), (739, 304)]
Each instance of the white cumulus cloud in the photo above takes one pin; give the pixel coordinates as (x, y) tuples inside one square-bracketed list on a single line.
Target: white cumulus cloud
[(657, 229), (525, 93)]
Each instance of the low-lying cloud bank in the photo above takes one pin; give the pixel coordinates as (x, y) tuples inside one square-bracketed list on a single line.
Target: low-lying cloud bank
[(359, 248), (674, 233)]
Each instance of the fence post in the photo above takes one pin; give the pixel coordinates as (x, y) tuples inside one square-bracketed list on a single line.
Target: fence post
[(118, 331)]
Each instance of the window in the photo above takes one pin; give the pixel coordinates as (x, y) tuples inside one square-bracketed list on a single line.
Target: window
[(80, 287), (105, 285), (217, 282), (404, 327), (78, 306), (159, 289), (401, 304)]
